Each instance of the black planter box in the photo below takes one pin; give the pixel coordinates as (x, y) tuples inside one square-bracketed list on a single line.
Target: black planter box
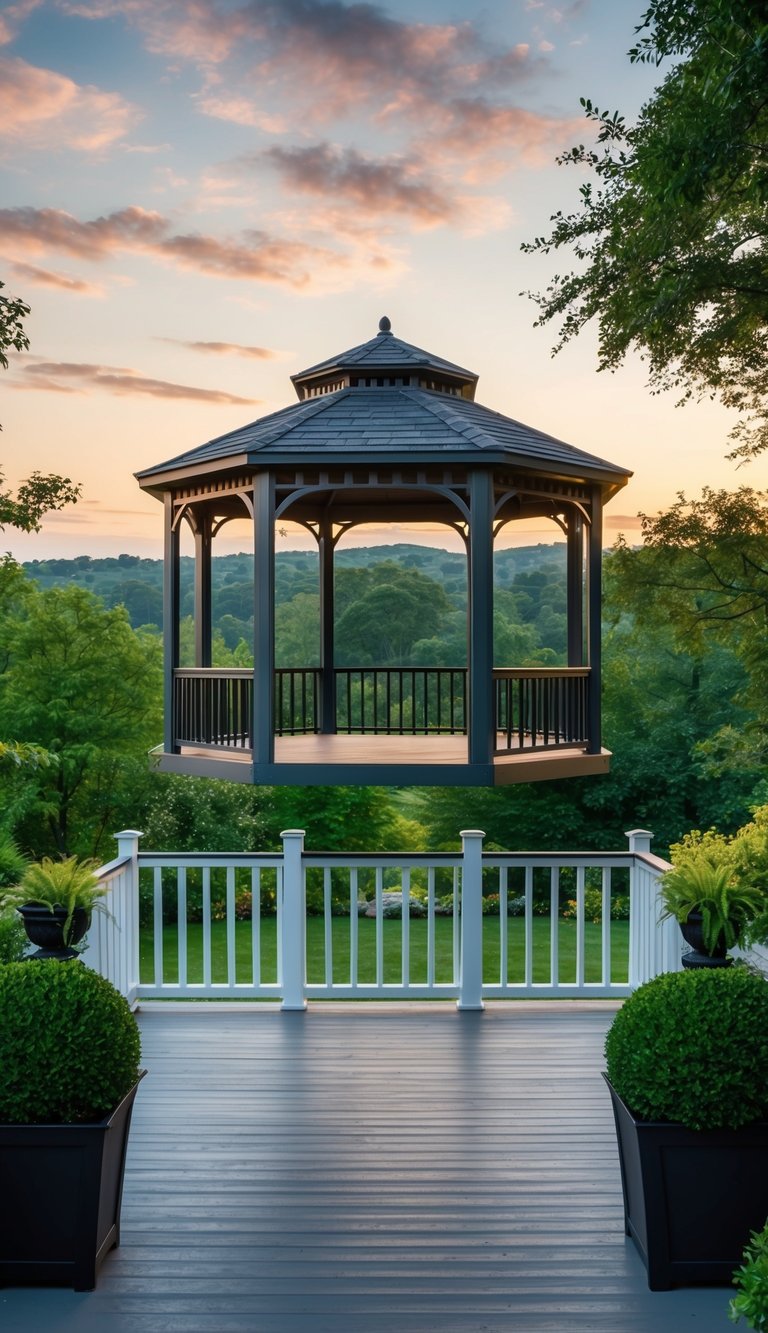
[(691, 1197), (61, 1187)]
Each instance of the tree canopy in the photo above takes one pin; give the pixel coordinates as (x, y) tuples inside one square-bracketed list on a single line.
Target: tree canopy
[(38, 494), (671, 232)]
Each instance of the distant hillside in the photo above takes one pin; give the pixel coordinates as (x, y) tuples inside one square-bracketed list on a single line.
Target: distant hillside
[(137, 583), (400, 604)]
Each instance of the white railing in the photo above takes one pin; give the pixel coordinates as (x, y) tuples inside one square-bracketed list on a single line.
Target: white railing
[(299, 925)]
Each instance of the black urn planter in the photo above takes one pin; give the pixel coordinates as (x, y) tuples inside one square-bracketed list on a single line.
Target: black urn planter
[(61, 1187), (45, 928), (697, 956), (691, 1197)]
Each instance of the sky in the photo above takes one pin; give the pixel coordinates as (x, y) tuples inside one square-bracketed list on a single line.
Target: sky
[(199, 198)]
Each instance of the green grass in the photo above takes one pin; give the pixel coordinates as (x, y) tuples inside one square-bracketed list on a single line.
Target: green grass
[(392, 951)]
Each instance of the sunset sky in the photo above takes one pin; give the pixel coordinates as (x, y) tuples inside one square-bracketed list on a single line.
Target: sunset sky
[(201, 197)]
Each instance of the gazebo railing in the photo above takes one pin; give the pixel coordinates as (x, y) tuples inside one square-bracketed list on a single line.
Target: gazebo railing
[(536, 708), (401, 701), (213, 706), (541, 709)]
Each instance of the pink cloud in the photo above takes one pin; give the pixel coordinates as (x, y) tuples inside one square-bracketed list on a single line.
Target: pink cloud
[(78, 377), (225, 349), (330, 57), (372, 185), (46, 278), (254, 255), (42, 109)]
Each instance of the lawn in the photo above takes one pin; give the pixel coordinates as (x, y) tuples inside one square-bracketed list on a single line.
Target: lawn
[(392, 949)]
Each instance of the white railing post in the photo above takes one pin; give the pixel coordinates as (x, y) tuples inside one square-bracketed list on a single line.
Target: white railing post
[(639, 839), (653, 945), (471, 966), (294, 922), (128, 846)]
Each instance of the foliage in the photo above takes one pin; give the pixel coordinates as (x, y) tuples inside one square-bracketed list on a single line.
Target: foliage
[(692, 1047), (13, 938), (79, 682), (69, 883), (743, 857), (36, 496), (344, 819), (186, 814), (13, 312), (671, 234), (69, 1044), (593, 907), (13, 862), (749, 852), (701, 886), (751, 1302), (382, 613)]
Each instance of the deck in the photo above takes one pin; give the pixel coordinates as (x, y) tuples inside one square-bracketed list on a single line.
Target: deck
[(423, 760), (371, 1168)]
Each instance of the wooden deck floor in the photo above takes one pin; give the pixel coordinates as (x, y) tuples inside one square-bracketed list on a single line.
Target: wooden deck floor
[(371, 1169)]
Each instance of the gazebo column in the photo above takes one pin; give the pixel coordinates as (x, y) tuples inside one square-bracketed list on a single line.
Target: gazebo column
[(203, 546), (575, 587), (263, 618), (481, 722), (327, 664), (170, 623), (594, 587)]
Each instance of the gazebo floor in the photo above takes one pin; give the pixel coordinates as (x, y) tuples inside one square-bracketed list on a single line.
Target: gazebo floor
[(371, 756), (371, 1168)]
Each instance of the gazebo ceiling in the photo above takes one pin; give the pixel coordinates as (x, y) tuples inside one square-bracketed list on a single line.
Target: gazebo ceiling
[(386, 403)]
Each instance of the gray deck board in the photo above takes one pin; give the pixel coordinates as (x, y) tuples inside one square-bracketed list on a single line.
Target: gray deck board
[(371, 1169)]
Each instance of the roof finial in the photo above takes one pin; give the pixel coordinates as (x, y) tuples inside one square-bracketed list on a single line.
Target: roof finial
[(385, 325)]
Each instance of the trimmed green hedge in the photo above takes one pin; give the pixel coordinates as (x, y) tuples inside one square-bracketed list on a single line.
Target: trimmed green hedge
[(692, 1047), (69, 1044)]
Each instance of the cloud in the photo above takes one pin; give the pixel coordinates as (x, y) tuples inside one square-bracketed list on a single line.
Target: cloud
[(225, 349), (328, 57), (13, 16), (371, 185), (42, 109), (255, 255), (43, 277), (477, 126), (622, 521), (79, 377), (242, 111)]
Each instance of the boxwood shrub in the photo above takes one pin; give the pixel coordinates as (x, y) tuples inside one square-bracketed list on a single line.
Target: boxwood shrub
[(692, 1047), (69, 1044)]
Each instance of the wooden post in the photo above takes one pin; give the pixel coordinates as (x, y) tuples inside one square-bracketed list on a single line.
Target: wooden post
[(327, 662), (471, 972), (575, 587), (595, 564), (293, 923), (170, 623), (263, 740), (481, 695), (202, 590)]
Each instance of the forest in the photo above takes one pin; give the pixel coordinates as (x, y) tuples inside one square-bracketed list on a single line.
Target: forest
[(683, 706)]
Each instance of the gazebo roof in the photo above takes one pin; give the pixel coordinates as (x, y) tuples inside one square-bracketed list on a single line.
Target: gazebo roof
[(371, 405), (385, 353)]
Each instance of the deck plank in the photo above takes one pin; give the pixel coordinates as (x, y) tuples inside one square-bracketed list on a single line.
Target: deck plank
[(371, 1169)]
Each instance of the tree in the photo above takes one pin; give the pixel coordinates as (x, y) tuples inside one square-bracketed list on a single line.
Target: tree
[(82, 684), (13, 312), (38, 494), (703, 570), (671, 237)]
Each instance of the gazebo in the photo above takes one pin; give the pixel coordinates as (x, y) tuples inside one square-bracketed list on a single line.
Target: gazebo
[(383, 433)]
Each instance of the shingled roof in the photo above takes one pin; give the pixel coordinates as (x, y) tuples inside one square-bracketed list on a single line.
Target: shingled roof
[(388, 402)]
